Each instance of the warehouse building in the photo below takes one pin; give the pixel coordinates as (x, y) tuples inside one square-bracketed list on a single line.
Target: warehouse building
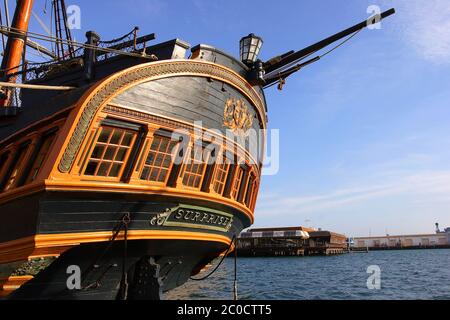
[(439, 239)]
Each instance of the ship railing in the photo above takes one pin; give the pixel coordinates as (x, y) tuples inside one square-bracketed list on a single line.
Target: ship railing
[(128, 43)]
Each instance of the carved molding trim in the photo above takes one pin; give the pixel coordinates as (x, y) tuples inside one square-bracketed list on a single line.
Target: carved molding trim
[(149, 72), (139, 115)]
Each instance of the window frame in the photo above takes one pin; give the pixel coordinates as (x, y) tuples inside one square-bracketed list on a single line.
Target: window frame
[(222, 155), (37, 151), (4, 162), (254, 195), (21, 151), (115, 125), (33, 139), (143, 155), (238, 169), (205, 164), (252, 184), (244, 185)]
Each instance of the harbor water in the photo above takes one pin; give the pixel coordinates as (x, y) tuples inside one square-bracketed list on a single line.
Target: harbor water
[(381, 275)]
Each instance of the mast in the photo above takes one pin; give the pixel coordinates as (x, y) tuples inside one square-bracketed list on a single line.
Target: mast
[(15, 45)]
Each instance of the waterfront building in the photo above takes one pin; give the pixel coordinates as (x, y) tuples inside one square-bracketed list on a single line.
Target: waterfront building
[(434, 240), (290, 241), (326, 243)]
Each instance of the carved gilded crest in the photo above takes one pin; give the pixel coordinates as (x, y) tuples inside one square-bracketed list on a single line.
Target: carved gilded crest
[(236, 116)]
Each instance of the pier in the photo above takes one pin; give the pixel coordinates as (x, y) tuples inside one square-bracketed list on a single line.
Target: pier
[(291, 241)]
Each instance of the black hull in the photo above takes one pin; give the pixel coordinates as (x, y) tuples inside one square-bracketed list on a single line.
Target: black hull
[(175, 260), (179, 248)]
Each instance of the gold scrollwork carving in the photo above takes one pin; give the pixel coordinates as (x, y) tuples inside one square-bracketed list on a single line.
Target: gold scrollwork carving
[(236, 116)]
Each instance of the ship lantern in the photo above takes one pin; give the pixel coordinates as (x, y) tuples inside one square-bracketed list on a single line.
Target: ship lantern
[(249, 48)]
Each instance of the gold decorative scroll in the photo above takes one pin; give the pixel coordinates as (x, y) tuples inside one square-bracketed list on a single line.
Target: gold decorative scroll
[(236, 116)]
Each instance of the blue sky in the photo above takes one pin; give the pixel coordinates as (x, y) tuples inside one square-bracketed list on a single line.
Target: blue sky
[(365, 132)]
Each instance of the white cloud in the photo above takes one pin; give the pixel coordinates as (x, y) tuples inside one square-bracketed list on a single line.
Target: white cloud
[(432, 183), (425, 26)]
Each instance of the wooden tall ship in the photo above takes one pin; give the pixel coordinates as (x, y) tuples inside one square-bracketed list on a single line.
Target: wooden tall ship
[(126, 162)]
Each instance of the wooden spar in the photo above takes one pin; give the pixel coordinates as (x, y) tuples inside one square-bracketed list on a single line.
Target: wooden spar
[(15, 45), (35, 86), (278, 63)]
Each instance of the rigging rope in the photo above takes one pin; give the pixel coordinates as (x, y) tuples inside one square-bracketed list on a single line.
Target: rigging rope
[(3, 36), (5, 2), (8, 20), (124, 281), (340, 44), (235, 286), (219, 264), (123, 223), (51, 26), (41, 23)]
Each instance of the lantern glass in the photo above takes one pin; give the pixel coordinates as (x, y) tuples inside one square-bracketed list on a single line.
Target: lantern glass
[(249, 48)]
